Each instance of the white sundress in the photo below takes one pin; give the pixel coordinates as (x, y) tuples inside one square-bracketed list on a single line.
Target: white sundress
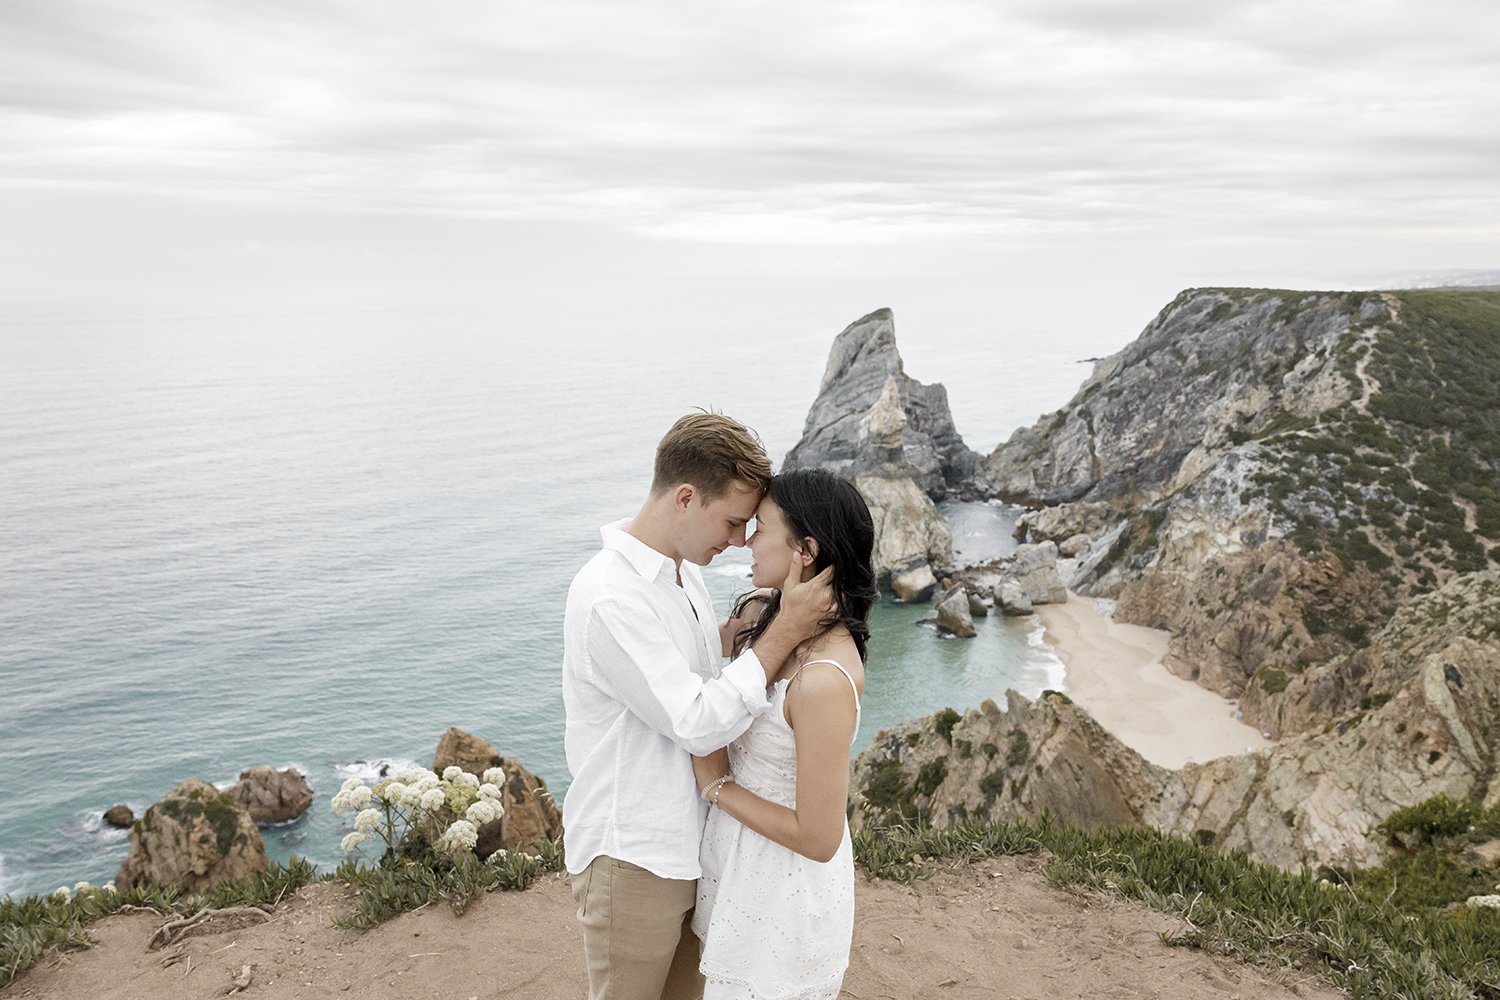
[(774, 924)]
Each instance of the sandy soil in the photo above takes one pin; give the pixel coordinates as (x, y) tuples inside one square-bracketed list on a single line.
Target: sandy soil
[(1115, 672), (995, 929)]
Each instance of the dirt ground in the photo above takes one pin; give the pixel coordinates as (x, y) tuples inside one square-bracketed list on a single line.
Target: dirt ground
[(993, 929)]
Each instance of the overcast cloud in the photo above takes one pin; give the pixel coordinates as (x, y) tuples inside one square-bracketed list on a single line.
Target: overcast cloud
[(750, 136)]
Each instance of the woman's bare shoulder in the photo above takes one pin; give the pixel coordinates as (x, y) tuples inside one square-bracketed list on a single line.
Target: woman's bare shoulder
[(839, 647)]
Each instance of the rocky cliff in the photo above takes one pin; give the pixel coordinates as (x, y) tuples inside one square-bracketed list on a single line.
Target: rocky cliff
[(1304, 488), (894, 438), (870, 416), (1270, 474), (1316, 798)]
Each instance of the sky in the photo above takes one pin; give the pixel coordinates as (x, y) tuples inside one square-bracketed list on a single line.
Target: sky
[(363, 142)]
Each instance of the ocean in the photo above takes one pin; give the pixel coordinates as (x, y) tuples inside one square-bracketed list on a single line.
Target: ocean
[(240, 533)]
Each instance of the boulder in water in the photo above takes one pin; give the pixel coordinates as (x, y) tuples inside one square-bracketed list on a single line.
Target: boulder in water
[(119, 816), (953, 614), (272, 796)]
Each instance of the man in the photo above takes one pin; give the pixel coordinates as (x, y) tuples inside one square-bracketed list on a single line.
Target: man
[(643, 690)]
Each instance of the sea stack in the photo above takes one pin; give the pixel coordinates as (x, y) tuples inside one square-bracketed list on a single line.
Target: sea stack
[(894, 438)]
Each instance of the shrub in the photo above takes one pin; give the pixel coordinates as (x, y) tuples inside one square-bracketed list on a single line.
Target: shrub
[(944, 722)]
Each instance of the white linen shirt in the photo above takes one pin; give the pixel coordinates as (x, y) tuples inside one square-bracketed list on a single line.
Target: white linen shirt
[(642, 689)]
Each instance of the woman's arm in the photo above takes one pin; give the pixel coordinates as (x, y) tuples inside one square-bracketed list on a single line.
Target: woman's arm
[(822, 700), (710, 766)]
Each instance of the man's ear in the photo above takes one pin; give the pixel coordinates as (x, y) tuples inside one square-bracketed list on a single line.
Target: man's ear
[(683, 496)]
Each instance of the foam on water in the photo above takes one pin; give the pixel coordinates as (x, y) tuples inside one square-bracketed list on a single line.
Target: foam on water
[(1055, 671), (372, 771)]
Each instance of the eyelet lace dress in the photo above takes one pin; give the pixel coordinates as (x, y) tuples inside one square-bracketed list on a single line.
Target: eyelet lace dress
[(774, 924)]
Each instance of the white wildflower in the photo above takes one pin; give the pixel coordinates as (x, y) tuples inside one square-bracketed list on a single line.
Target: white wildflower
[(353, 840), (62, 892), (81, 886), (490, 793), (495, 776), (482, 812), (360, 797), (350, 784), (369, 820), (465, 778), (411, 798), (460, 837), (451, 772), (1493, 902), (340, 803), (433, 799), (392, 792), (108, 887), (409, 775)]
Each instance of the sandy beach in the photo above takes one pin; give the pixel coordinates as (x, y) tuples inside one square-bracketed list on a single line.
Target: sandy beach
[(1115, 672)]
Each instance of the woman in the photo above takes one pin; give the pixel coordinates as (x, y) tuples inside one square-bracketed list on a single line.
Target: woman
[(776, 897)]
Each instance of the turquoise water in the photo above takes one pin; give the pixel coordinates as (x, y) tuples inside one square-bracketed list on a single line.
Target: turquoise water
[(317, 539)]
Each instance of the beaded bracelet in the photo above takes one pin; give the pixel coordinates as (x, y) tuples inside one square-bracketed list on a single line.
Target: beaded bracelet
[(713, 788)]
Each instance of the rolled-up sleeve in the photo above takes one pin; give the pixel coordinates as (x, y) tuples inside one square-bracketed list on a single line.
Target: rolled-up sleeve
[(634, 658)]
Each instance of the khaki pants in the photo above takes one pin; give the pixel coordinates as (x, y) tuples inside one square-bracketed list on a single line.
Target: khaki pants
[(636, 939)]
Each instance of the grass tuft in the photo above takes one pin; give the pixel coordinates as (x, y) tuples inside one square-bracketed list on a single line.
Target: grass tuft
[(1356, 932)]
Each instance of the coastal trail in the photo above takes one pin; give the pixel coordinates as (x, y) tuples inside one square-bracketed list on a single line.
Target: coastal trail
[(994, 929)]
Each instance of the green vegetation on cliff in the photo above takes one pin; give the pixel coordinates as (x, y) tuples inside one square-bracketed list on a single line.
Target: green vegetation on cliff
[(418, 878), (1375, 942), (1407, 472)]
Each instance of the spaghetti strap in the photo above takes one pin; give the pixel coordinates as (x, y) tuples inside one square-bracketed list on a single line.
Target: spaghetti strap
[(852, 685)]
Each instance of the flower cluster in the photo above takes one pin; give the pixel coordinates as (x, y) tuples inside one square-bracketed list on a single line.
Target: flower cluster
[(451, 808), (62, 892)]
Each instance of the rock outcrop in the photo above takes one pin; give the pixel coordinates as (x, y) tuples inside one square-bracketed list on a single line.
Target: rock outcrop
[(1034, 573), (894, 438), (870, 415), (911, 536), (1030, 758), (530, 812), (193, 839), (272, 796), (1315, 798), (119, 817), (1277, 475), (953, 616), (1304, 488)]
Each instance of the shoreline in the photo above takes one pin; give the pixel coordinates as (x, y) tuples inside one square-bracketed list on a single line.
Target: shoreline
[(1115, 672)]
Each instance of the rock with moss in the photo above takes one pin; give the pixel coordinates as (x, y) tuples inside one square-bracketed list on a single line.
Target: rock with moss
[(272, 796), (530, 812), (193, 839), (1301, 694), (1027, 759)]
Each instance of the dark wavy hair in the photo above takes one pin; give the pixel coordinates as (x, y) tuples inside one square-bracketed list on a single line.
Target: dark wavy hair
[(819, 505)]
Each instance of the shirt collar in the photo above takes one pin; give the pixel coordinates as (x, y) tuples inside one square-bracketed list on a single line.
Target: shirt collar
[(646, 561)]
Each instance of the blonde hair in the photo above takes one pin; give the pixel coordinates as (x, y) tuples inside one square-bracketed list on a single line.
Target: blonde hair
[(710, 451)]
